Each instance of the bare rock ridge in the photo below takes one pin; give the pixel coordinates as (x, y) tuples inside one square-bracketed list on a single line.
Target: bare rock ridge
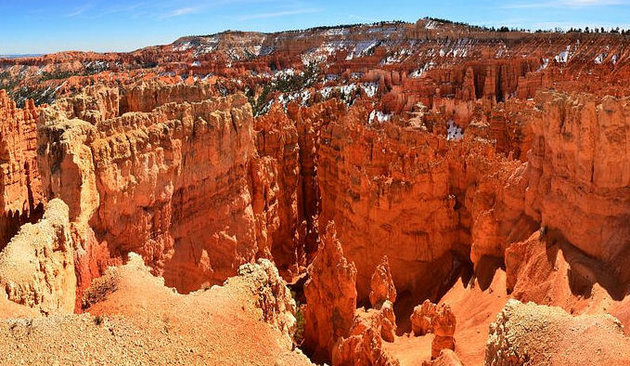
[(371, 328)]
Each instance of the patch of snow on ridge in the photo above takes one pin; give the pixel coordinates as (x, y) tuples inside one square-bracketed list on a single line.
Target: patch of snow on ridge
[(285, 72), (418, 73), (362, 49), (321, 53), (544, 65), (183, 47), (303, 97), (348, 89), (370, 89), (343, 90), (326, 92), (379, 116), (455, 133), (600, 59), (564, 56), (337, 32), (397, 57)]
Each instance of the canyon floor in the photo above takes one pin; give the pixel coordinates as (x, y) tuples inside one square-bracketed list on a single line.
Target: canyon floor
[(382, 194)]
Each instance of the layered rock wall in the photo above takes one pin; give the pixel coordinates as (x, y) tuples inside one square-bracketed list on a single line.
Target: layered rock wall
[(276, 205), (388, 185), (21, 198), (579, 174), (171, 185)]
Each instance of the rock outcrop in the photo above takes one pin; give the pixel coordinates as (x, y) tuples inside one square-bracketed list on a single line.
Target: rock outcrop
[(364, 343), (378, 190), (37, 266), (382, 287), (275, 201), (439, 320), (273, 298), (331, 297), (372, 327), (132, 318), (171, 184), (447, 357), (530, 334)]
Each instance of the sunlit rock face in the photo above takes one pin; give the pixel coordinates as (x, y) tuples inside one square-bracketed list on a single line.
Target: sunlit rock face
[(579, 175), (21, 198)]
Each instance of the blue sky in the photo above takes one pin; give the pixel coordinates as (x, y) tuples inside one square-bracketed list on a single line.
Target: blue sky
[(42, 26)]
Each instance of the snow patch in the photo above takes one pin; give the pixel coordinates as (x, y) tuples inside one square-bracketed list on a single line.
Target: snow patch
[(379, 116), (544, 65), (283, 73), (303, 96), (431, 24), (344, 90), (418, 73), (397, 57), (183, 47), (348, 89), (370, 89), (564, 56), (337, 32), (455, 133), (362, 48)]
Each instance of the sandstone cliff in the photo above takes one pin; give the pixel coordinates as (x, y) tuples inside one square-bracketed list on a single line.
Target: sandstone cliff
[(579, 175), (331, 297), (149, 182), (21, 199)]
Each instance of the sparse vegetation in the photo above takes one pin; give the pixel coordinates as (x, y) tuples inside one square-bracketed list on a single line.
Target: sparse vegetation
[(298, 337), (288, 83), (285, 83), (57, 75)]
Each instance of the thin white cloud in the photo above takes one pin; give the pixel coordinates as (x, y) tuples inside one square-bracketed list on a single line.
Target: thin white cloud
[(80, 11), (362, 18), (181, 11), (279, 14)]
